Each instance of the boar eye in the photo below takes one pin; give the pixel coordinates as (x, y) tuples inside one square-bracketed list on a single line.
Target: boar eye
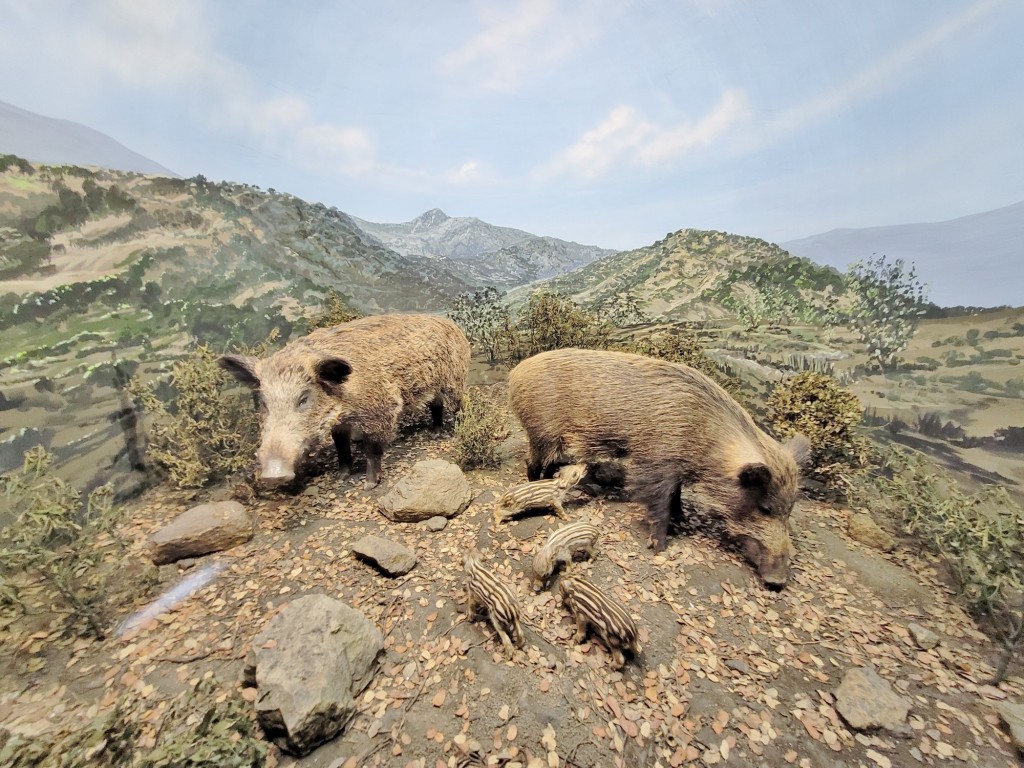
[(764, 511), (303, 403)]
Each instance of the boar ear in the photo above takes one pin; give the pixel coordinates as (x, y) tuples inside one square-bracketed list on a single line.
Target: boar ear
[(755, 476), (799, 447), (241, 367), (332, 372)]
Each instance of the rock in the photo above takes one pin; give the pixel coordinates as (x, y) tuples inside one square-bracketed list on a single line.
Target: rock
[(431, 488), (866, 701), (1013, 716), (202, 530), (309, 663), (390, 557), (925, 638), (737, 666), (864, 529), (437, 523)]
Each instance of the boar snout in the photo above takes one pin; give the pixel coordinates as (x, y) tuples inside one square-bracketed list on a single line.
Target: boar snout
[(276, 472), (772, 567)]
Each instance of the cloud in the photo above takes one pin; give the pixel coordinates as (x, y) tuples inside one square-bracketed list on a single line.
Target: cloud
[(521, 41), (882, 76), (626, 139)]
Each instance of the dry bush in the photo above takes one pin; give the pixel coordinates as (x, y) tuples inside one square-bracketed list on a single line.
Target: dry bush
[(684, 347), (554, 321), (209, 429), (197, 729), (816, 406), (57, 540), (336, 312), (980, 536), (480, 428)]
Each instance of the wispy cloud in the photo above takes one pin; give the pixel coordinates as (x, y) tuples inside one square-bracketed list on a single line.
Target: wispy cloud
[(523, 40), (882, 76), (626, 139)]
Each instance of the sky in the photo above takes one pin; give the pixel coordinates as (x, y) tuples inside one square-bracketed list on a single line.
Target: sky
[(606, 122)]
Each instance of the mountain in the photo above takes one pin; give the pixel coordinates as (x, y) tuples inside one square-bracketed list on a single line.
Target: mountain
[(695, 274), (62, 142), (483, 253), (197, 241), (975, 260)]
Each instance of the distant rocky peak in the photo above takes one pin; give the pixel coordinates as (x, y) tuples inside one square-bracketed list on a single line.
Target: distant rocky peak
[(429, 220)]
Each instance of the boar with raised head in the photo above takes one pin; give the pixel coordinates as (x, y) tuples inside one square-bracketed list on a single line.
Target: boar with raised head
[(673, 428), (362, 375)]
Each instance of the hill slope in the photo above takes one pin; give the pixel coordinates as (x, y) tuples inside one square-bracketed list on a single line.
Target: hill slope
[(485, 253), (693, 274), (62, 142), (974, 260)]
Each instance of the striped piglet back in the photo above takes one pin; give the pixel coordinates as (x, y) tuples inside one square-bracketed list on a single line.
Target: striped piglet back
[(595, 608), (562, 545), (486, 589), (541, 493)]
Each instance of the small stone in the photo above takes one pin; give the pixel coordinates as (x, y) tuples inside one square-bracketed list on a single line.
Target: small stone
[(201, 530), (866, 701), (925, 638), (391, 557), (430, 488), (437, 523), (1013, 716), (864, 529), (737, 666)]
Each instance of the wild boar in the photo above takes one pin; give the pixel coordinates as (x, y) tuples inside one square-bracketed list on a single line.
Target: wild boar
[(486, 590), (596, 609), (672, 427), (544, 494), (364, 374)]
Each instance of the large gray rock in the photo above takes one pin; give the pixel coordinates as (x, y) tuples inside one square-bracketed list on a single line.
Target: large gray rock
[(431, 488), (866, 702), (202, 530), (391, 557), (309, 663), (1013, 716)]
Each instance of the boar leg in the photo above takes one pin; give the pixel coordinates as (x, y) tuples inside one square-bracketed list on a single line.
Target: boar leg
[(533, 468), (581, 629), (374, 452), (618, 658), (342, 434), (437, 415)]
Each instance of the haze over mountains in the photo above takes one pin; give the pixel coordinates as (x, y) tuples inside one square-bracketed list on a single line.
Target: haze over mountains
[(975, 260), (62, 142)]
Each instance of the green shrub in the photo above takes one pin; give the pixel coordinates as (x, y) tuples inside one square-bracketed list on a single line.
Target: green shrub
[(480, 428), (829, 416), (55, 536), (980, 535), (209, 428)]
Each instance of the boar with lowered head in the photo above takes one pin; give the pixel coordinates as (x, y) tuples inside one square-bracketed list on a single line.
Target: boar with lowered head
[(362, 375), (673, 428)]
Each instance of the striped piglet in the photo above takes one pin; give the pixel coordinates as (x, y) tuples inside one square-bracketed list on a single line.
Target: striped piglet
[(560, 549), (594, 608), (486, 590), (541, 494)]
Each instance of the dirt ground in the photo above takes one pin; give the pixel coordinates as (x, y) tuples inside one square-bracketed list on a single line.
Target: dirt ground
[(730, 673)]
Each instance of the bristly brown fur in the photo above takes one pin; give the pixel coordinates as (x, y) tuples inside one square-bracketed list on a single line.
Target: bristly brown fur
[(362, 375), (674, 428)]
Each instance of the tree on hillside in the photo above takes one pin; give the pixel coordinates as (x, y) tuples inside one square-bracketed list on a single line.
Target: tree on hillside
[(888, 302), (482, 315)]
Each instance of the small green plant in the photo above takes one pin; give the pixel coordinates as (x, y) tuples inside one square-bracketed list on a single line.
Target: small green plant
[(480, 428), (829, 416), (55, 536), (209, 428), (980, 536)]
